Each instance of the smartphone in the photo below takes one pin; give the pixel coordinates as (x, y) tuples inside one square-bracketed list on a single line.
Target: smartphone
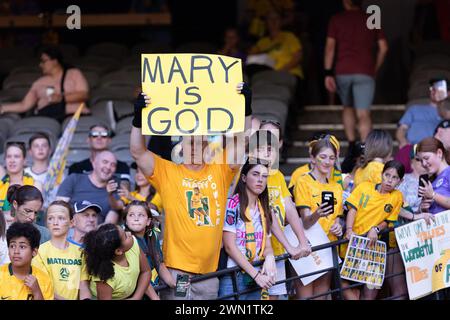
[(182, 285), (421, 184), (328, 198), (441, 90)]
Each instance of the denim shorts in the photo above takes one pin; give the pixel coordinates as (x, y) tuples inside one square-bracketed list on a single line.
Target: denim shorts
[(244, 282), (356, 90)]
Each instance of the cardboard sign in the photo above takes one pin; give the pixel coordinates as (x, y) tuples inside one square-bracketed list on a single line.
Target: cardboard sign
[(425, 251), (317, 260), (364, 263), (192, 94)]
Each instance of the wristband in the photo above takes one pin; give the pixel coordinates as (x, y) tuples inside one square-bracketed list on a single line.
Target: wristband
[(257, 274), (329, 73), (247, 92), (377, 230), (139, 104)]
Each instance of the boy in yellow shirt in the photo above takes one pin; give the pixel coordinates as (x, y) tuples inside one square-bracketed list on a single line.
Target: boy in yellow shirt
[(18, 279)]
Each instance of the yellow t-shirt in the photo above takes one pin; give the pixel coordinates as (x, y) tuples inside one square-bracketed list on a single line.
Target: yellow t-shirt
[(12, 288), (64, 267), (335, 175), (281, 50), (371, 173), (192, 241), (373, 207), (308, 194), (124, 281), (278, 190), (156, 200), (27, 180)]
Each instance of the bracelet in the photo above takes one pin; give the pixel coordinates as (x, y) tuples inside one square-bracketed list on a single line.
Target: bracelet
[(257, 274)]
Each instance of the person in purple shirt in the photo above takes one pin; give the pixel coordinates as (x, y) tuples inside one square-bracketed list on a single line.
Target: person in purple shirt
[(435, 159)]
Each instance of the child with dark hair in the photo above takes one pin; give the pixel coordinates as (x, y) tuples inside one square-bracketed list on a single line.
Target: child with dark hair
[(18, 279), (60, 259), (119, 269), (372, 206), (246, 236), (26, 202), (138, 220)]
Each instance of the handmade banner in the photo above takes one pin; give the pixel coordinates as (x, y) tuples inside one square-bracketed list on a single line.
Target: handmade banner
[(365, 263), (316, 261), (192, 94), (425, 250)]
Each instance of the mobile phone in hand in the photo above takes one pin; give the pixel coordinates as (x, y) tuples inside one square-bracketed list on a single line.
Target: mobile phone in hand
[(182, 285), (328, 199), (423, 177)]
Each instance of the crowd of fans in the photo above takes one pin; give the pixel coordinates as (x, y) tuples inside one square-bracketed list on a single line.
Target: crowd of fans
[(99, 237)]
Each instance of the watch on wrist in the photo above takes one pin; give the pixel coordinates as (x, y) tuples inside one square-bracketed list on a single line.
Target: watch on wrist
[(377, 230)]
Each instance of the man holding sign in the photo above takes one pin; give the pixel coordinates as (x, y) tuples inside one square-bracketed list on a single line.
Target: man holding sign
[(191, 242)]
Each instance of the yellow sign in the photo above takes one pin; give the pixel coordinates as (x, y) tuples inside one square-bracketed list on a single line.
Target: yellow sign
[(192, 94)]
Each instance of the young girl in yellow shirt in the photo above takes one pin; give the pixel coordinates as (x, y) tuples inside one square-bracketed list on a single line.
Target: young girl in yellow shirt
[(307, 193)]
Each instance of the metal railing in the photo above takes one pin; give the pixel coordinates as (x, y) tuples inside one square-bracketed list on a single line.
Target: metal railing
[(336, 290)]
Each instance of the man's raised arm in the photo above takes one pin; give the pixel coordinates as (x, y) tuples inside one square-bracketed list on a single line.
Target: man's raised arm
[(143, 157)]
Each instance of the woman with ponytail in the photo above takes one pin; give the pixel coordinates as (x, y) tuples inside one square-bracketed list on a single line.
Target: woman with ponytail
[(246, 236), (118, 268)]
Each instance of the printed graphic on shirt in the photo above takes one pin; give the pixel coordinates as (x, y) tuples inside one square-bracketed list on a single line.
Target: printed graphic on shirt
[(198, 206)]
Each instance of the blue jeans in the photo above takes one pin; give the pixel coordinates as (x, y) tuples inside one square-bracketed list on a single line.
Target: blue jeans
[(244, 282)]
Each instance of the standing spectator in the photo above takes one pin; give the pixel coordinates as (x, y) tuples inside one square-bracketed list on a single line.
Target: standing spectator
[(60, 259), (57, 93), (232, 46), (19, 280), (26, 201), (84, 220), (190, 246), (92, 187), (139, 221), (377, 150), (370, 217), (435, 159), (281, 204), (118, 267), (249, 213), (99, 140), (307, 192), (351, 42)]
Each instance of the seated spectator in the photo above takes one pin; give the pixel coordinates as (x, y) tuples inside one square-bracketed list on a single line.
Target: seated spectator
[(99, 140), (139, 221), (231, 45), (84, 220), (19, 280), (282, 46), (419, 121), (57, 93), (26, 202), (119, 269), (40, 149), (60, 259), (92, 187)]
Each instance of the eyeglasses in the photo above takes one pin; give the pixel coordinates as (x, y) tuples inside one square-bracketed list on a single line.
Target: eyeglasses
[(94, 134)]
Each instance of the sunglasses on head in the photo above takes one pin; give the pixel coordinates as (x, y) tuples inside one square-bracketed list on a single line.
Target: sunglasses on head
[(102, 134)]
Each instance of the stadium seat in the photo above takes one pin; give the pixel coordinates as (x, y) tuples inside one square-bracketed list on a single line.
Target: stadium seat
[(275, 77), (124, 126), (14, 94), (34, 124), (69, 52), (108, 49), (92, 78), (20, 80), (26, 69), (271, 91), (150, 47), (124, 155), (120, 142), (120, 79), (76, 155), (79, 141), (85, 123)]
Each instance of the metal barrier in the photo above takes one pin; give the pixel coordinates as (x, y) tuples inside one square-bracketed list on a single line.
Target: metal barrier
[(336, 291)]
